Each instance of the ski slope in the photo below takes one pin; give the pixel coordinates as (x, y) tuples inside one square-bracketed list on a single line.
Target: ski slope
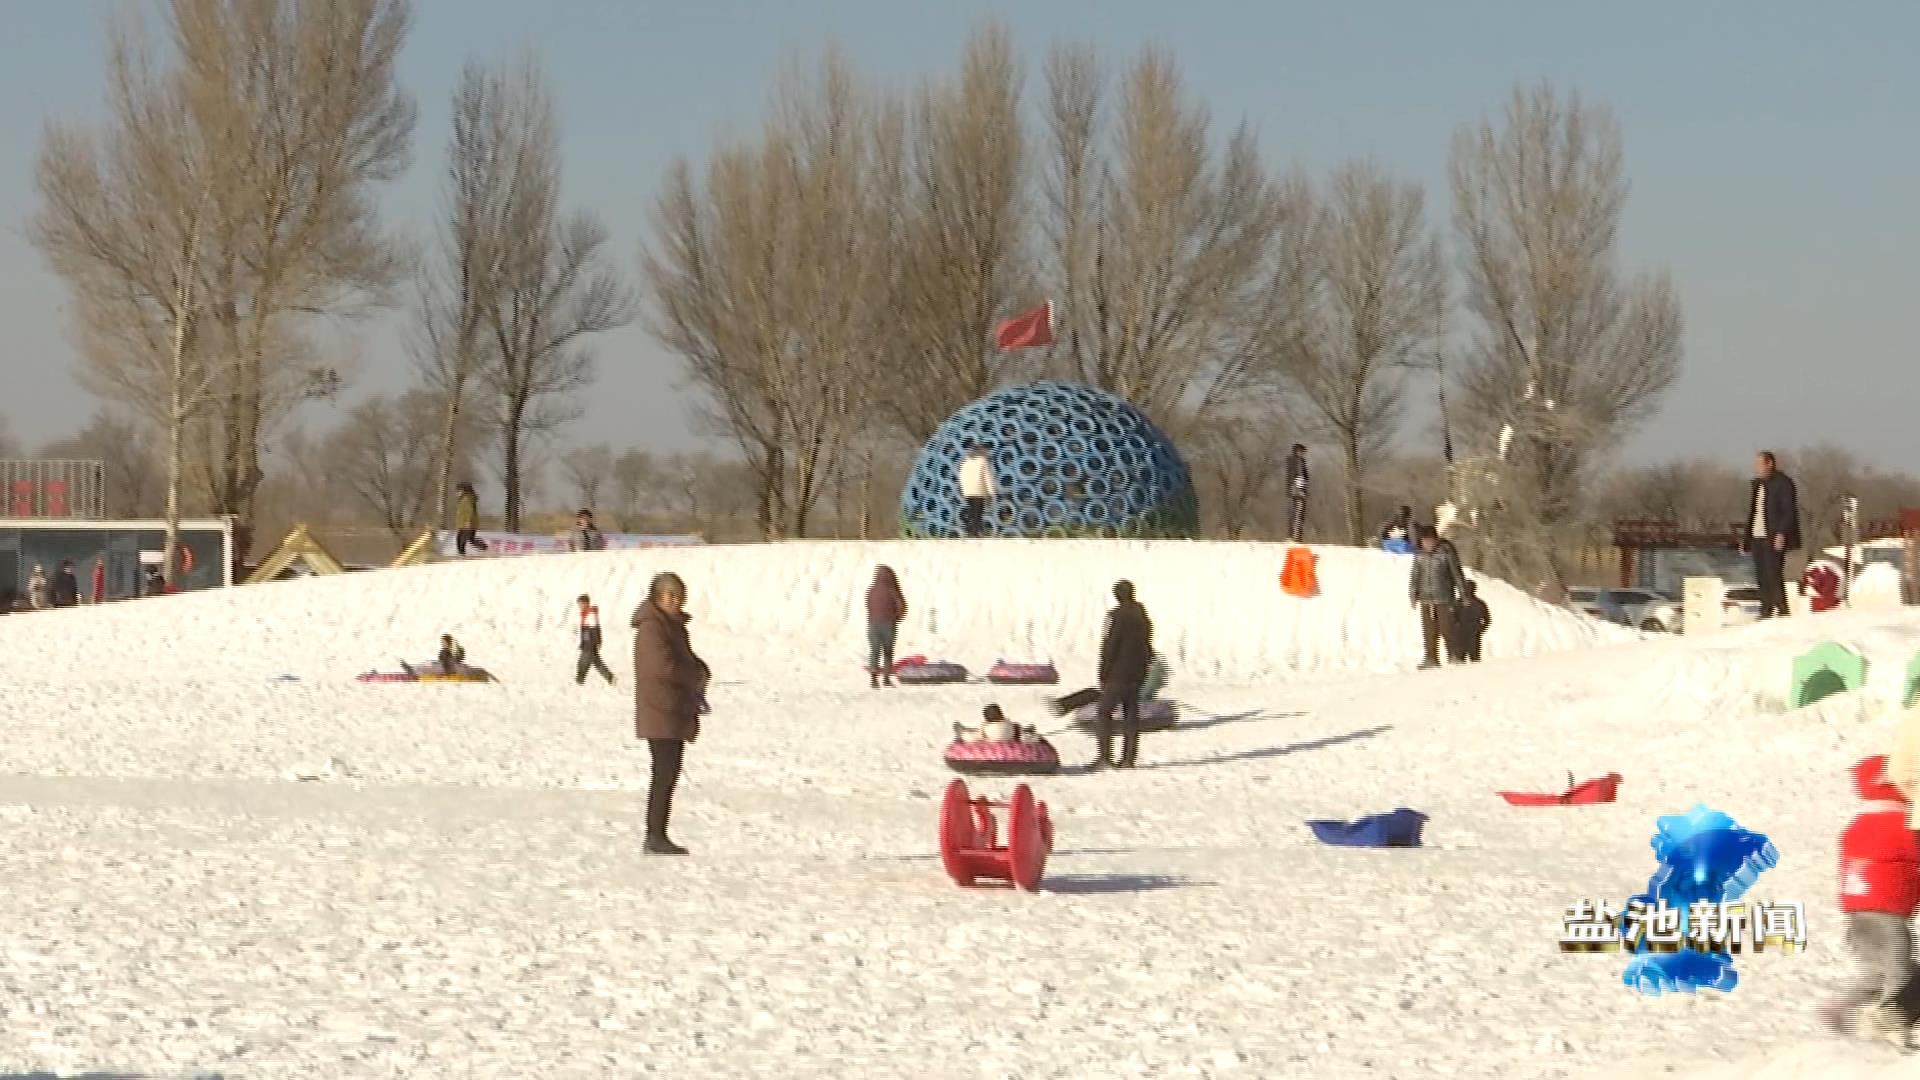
[(214, 868)]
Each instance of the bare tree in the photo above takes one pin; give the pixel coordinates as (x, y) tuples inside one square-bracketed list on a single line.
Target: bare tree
[(637, 478), (763, 277), (256, 151), (1567, 358), (386, 452), (960, 242), (501, 145), (588, 470), (9, 446), (549, 288), (1364, 318), (125, 452), (1163, 254), (1237, 461)]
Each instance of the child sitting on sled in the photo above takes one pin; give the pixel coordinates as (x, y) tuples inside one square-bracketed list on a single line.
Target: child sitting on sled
[(1879, 891), (452, 656)]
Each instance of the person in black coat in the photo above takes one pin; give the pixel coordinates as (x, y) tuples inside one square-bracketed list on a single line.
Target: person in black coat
[(66, 587), (1126, 651), (1773, 529), (1297, 491), (1470, 621)]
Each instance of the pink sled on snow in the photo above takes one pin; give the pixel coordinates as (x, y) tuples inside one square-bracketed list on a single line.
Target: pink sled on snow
[(1601, 789)]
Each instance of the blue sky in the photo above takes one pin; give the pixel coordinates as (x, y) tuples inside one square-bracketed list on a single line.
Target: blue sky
[(1772, 149)]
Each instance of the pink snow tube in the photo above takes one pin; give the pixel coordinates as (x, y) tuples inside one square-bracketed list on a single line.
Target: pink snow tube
[(919, 670), (1156, 715), (1009, 758), (1023, 674), (386, 677)]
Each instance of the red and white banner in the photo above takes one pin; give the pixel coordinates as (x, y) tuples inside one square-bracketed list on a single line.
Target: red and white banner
[(501, 543)]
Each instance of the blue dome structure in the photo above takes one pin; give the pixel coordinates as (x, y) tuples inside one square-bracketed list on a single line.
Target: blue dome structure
[(1068, 460)]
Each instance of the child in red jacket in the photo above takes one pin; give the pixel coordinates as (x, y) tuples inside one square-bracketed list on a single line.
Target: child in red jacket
[(1879, 890)]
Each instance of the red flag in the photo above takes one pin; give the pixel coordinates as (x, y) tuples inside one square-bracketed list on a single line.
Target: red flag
[(1027, 330)]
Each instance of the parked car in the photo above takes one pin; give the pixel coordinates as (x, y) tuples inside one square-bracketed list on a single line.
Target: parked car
[(1740, 605), (1598, 603), (1651, 611)]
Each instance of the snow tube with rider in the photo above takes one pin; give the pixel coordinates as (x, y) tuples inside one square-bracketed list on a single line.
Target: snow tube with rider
[(919, 670), (1008, 674), (1155, 715), (999, 747), (1398, 828), (1012, 757), (464, 675)]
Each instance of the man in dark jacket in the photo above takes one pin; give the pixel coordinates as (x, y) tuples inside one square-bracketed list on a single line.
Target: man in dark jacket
[(1297, 491), (1126, 651), (1434, 589), (1773, 529), (590, 644), (586, 536), (66, 587)]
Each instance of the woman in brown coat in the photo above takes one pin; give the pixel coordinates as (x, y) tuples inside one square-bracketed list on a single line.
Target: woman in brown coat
[(669, 684)]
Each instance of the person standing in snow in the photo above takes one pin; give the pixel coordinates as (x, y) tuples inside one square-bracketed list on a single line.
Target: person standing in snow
[(466, 520), (99, 580), (1773, 529), (1879, 891), (1903, 772), (590, 644), (39, 592), (1297, 491), (669, 691), (1434, 589), (66, 587), (976, 487), (1126, 651), (886, 606), (586, 536), (1470, 621)]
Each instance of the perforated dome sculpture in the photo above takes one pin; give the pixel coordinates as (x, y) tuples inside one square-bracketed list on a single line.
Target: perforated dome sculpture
[(1068, 460)]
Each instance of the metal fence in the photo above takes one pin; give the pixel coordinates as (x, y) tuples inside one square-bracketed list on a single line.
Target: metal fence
[(53, 489)]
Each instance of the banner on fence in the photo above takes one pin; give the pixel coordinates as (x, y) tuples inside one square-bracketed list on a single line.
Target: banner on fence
[(501, 543)]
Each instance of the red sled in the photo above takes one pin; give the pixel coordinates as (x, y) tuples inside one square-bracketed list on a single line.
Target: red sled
[(1588, 793), (969, 839)]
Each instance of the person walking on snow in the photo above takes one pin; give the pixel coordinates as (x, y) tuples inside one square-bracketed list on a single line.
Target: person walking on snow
[(586, 536), (590, 644), (669, 690), (1126, 651), (66, 587), (1773, 529), (1297, 491), (1879, 891), (39, 592), (886, 606), (976, 487), (99, 580), (466, 520), (1903, 772), (1434, 589)]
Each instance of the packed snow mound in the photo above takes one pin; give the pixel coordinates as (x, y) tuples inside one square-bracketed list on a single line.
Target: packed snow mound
[(1218, 610)]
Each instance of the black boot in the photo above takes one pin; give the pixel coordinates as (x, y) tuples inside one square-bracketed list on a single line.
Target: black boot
[(873, 681), (660, 845)]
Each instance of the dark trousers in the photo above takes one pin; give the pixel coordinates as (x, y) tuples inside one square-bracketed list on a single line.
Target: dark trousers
[(1908, 1001), (1465, 648), (464, 539), (973, 516), (1126, 698), (1769, 573), (1436, 627), (667, 756), (590, 661), (880, 640), (1297, 526)]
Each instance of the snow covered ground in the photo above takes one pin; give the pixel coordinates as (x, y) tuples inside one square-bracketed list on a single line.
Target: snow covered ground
[(458, 891)]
